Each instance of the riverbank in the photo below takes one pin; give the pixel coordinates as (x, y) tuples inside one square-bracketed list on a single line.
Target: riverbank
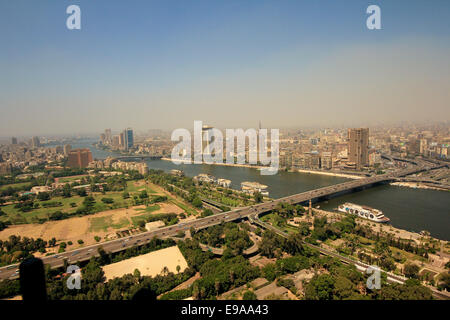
[(326, 173), (227, 164), (416, 185)]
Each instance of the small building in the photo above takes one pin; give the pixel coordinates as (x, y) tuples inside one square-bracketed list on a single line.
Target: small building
[(224, 183), (204, 177), (177, 173), (40, 189), (252, 187)]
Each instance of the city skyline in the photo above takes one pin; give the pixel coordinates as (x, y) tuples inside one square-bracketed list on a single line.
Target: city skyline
[(222, 63)]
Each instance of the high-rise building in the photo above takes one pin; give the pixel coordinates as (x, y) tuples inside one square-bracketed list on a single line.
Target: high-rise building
[(129, 138), (13, 140), (79, 158), (103, 138), (67, 148), (358, 147), (35, 143), (116, 141), (326, 160), (5, 168), (108, 136), (423, 145), (122, 140)]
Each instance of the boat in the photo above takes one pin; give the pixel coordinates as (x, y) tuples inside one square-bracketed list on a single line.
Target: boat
[(363, 212)]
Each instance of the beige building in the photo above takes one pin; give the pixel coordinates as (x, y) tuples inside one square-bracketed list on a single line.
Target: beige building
[(326, 160), (358, 147)]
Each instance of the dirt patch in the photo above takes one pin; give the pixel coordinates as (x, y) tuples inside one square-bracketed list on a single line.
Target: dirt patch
[(78, 228), (150, 264)]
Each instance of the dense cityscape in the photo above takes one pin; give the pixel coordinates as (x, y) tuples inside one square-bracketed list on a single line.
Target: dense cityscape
[(45, 183)]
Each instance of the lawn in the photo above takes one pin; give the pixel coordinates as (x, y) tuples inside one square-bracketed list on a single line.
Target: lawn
[(18, 217), (15, 185), (148, 209), (71, 178), (132, 188), (187, 209), (100, 223), (143, 217)]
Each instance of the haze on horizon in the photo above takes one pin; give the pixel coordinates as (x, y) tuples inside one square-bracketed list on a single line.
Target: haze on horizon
[(164, 64)]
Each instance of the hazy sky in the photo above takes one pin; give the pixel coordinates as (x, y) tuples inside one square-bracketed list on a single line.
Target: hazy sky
[(163, 64)]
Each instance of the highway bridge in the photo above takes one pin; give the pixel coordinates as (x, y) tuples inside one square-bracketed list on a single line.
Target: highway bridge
[(138, 157), (251, 212)]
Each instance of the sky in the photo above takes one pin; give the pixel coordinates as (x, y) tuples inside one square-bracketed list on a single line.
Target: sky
[(151, 64)]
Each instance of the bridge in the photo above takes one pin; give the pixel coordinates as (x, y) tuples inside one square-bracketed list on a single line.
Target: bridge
[(138, 156)]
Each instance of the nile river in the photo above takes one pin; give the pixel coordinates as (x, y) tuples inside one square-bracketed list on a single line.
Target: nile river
[(410, 209)]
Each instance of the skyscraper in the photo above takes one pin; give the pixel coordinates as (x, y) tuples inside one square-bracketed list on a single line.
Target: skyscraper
[(13, 140), (129, 138), (108, 136), (358, 147), (122, 140), (35, 143), (67, 148)]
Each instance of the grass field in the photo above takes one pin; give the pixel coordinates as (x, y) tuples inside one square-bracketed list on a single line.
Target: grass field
[(17, 217), (71, 178), (133, 187), (14, 185), (143, 217)]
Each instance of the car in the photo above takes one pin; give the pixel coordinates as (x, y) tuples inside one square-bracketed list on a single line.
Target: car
[(75, 253), (90, 250)]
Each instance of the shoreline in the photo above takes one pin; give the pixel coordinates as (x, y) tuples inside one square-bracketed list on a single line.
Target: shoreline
[(333, 174), (415, 185), (389, 228), (225, 164)]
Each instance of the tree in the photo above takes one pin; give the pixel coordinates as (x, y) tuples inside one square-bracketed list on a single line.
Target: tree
[(249, 295), (196, 202), (66, 193), (206, 213), (137, 274), (411, 270), (43, 196), (258, 197), (320, 288)]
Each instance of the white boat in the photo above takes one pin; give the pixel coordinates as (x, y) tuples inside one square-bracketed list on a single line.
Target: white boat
[(363, 212)]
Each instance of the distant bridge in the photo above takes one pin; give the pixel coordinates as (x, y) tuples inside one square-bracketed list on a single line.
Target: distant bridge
[(140, 157)]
